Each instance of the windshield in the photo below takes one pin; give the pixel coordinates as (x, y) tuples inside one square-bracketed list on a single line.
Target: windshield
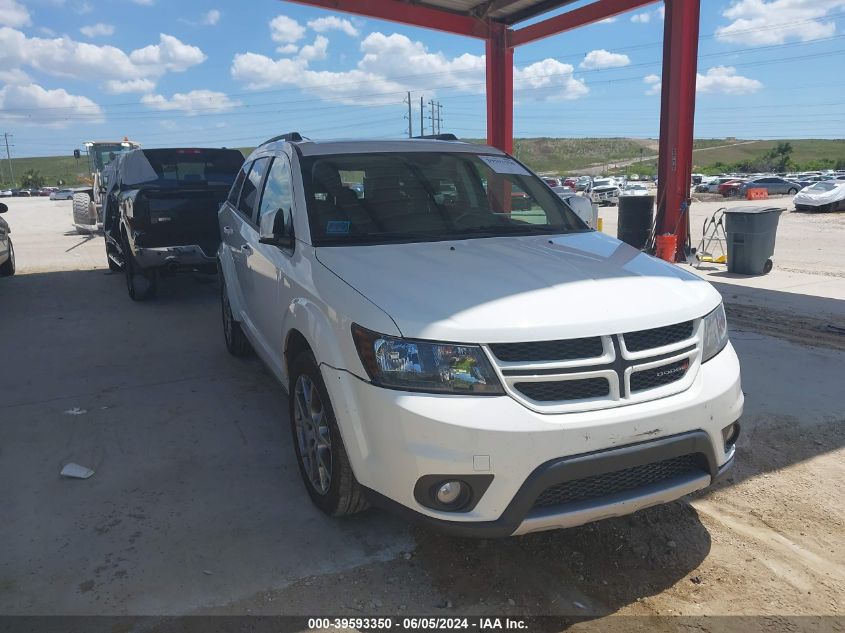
[(170, 168), (427, 196), (103, 153)]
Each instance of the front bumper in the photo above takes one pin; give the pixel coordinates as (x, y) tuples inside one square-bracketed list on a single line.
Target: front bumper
[(393, 438), (181, 256)]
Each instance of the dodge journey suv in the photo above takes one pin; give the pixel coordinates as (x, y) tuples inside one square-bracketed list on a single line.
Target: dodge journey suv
[(485, 370)]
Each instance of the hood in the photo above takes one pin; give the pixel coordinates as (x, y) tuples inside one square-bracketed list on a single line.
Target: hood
[(511, 289), (606, 188)]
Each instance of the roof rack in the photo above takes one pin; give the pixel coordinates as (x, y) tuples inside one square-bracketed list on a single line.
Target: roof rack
[(290, 137), (439, 137)]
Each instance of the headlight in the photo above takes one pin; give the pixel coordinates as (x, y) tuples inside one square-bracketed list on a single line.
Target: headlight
[(715, 333), (410, 365)]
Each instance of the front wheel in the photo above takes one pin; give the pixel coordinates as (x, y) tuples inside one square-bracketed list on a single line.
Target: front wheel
[(82, 212), (7, 269), (323, 462)]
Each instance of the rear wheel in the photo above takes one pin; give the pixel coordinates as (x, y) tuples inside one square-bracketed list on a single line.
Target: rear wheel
[(236, 341), (323, 462), (140, 283), (792, 191), (7, 268)]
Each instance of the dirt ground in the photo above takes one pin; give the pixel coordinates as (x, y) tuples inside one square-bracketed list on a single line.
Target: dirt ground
[(217, 539)]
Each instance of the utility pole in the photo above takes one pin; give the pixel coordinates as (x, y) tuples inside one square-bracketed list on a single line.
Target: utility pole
[(439, 117), (422, 117), (6, 136), (410, 120)]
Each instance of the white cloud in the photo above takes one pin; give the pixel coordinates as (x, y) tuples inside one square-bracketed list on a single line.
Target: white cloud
[(144, 3), (661, 12), (654, 84), (120, 72), (316, 51), (192, 102), (170, 54), (762, 22), (717, 80), (641, 18), (549, 80), (118, 87), (607, 21), (285, 30), (604, 59), (14, 76), (333, 23), (724, 80), (84, 8), (288, 49), (379, 76), (211, 18), (98, 29), (14, 14), (30, 103)]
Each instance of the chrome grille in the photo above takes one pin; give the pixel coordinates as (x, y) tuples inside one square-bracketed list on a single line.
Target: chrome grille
[(600, 372), (571, 349), (658, 337), (625, 480), (564, 390)]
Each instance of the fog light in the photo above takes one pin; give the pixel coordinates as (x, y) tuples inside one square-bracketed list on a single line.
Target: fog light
[(450, 492), (730, 434)]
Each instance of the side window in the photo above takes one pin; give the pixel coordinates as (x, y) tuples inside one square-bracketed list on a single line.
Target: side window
[(249, 192), (276, 213), (235, 191)]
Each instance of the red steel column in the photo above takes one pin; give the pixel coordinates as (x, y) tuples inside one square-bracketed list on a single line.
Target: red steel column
[(677, 116), (499, 89)]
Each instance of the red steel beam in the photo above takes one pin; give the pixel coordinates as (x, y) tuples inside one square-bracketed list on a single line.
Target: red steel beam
[(677, 119), (499, 61), (595, 12), (407, 13)]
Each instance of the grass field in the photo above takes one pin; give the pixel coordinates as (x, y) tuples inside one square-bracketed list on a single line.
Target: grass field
[(555, 155)]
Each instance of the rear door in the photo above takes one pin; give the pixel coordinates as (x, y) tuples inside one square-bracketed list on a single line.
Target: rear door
[(270, 267), (244, 236), (232, 246)]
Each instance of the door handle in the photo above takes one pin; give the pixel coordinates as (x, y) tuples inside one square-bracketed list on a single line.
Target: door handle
[(227, 230)]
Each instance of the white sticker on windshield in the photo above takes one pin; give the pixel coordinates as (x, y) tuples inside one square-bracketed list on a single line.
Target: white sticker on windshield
[(504, 165)]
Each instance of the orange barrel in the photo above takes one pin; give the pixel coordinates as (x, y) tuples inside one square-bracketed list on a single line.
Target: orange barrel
[(666, 246)]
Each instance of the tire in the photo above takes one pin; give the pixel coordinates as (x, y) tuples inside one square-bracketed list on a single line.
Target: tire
[(236, 341), (140, 284), (337, 492), (7, 269), (82, 211), (767, 267), (792, 192)]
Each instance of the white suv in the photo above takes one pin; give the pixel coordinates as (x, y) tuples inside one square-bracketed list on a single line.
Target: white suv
[(484, 370)]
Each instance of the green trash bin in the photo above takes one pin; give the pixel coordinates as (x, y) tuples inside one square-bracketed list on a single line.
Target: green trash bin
[(751, 233)]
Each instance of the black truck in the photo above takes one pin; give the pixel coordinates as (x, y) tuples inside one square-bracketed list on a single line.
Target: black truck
[(160, 213)]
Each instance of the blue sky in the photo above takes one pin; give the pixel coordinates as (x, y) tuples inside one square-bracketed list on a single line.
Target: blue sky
[(218, 73)]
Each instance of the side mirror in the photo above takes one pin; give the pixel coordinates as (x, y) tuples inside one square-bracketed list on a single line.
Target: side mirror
[(3, 208), (276, 228)]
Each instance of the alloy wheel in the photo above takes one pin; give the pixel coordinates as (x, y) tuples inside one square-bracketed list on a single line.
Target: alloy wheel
[(313, 434)]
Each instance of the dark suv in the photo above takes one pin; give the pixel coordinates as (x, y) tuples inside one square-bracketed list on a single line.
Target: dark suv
[(161, 212)]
